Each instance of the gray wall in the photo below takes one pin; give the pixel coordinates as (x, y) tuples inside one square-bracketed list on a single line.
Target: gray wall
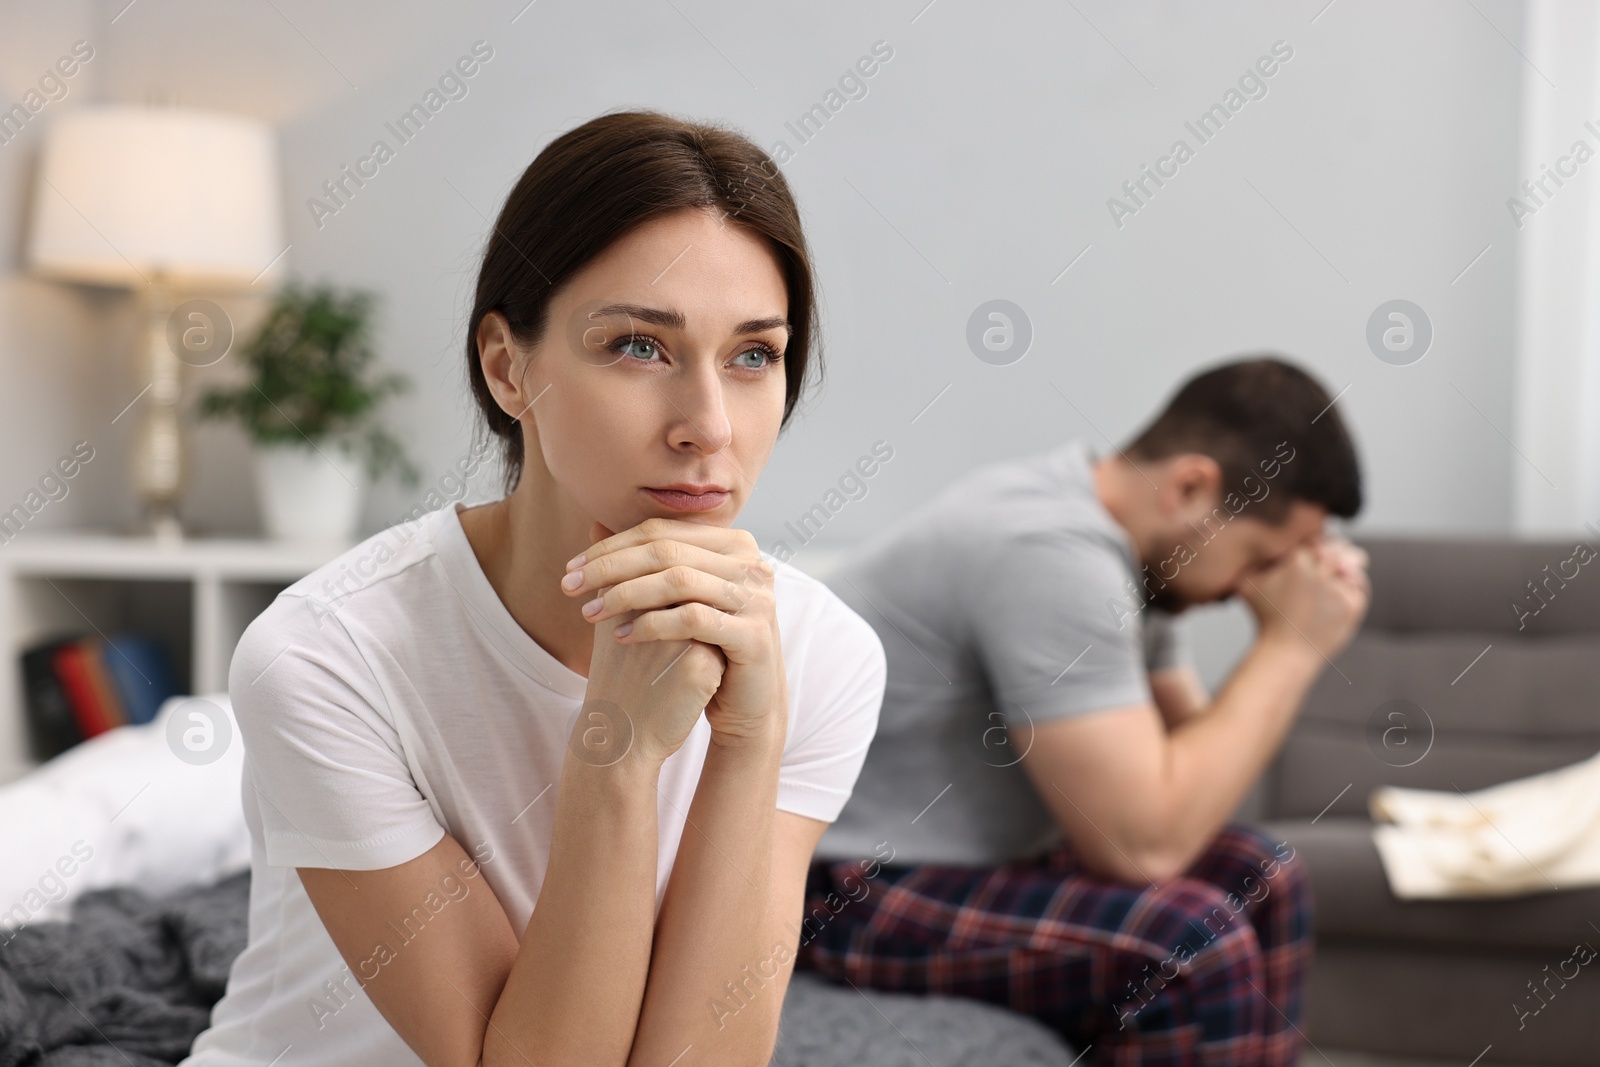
[(977, 166)]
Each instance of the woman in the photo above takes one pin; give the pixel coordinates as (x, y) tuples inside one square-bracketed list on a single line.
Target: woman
[(503, 705)]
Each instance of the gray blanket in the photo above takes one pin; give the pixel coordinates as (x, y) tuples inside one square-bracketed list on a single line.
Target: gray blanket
[(129, 981)]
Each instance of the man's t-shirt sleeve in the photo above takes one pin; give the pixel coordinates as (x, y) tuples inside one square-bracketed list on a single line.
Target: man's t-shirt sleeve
[(834, 703), (1057, 626), (326, 764)]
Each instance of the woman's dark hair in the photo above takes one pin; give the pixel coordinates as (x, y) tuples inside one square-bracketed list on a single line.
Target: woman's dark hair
[(1240, 413), (595, 183)]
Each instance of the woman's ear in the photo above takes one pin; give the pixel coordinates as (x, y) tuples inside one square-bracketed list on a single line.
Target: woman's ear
[(504, 364)]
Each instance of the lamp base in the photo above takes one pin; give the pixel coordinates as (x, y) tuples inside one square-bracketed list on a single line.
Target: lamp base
[(157, 459), (160, 523)]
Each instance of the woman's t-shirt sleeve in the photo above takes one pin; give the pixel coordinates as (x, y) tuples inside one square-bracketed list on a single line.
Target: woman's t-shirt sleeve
[(326, 764), (834, 708)]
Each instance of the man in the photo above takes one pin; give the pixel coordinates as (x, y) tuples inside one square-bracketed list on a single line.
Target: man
[(1046, 802)]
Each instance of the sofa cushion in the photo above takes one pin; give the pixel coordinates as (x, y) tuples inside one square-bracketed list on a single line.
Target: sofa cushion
[(1389, 715), (1436, 1005), (1429, 584), (1448, 685), (1353, 901)]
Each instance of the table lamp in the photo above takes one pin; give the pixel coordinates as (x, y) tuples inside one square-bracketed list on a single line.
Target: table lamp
[(170, 201)]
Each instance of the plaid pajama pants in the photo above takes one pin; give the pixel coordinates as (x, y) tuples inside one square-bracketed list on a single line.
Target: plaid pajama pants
[(1205, 970)]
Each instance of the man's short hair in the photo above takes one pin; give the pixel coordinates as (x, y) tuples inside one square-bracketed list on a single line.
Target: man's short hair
[(1241, 414)]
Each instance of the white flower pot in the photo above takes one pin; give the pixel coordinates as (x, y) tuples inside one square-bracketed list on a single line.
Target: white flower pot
[(305, 497)]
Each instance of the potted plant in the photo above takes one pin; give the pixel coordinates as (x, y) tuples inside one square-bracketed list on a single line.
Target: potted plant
[(312, 397)]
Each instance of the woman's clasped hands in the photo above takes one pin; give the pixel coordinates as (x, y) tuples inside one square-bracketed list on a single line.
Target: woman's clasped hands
[(686, 620)]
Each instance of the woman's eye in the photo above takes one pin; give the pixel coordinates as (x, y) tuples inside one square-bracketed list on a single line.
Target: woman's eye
[(647, 346), (765, 356)]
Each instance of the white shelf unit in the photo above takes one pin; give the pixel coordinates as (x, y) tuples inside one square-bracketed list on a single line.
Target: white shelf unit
[(197, 596)]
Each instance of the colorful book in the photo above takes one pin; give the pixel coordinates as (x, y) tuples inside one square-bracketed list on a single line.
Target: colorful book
[(71, 662), (94, 660), (52, 727), (142, 674)]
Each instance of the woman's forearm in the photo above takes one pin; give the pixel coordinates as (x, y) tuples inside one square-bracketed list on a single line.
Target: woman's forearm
[(711, 990), (574, 993)]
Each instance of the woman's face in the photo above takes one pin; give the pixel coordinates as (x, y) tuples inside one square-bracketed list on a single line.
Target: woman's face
[(660, 366)]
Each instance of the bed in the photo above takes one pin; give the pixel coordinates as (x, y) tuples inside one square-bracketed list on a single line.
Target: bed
[(124, 875)]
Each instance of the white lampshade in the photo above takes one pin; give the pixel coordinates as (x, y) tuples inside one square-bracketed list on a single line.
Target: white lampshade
[(127, 192)]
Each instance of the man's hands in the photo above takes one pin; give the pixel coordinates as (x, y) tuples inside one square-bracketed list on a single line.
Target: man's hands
[(1317, 592), (688, 620)]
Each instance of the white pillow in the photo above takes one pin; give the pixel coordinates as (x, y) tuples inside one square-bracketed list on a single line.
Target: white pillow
[(153, 806)]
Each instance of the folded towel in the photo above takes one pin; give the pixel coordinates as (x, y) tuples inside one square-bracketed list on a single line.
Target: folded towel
[(1532, 835)]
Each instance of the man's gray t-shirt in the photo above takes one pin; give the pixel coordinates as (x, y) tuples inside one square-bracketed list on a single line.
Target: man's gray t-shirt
[(1008, 599)]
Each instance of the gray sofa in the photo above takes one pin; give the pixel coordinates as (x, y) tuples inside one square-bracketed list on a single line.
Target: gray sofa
[(1432, 978)]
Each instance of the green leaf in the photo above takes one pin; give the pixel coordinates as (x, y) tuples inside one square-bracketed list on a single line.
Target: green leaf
[(311, 377)]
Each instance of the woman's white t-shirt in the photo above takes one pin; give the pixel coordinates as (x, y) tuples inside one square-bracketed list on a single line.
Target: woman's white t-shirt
[(389, 698)]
